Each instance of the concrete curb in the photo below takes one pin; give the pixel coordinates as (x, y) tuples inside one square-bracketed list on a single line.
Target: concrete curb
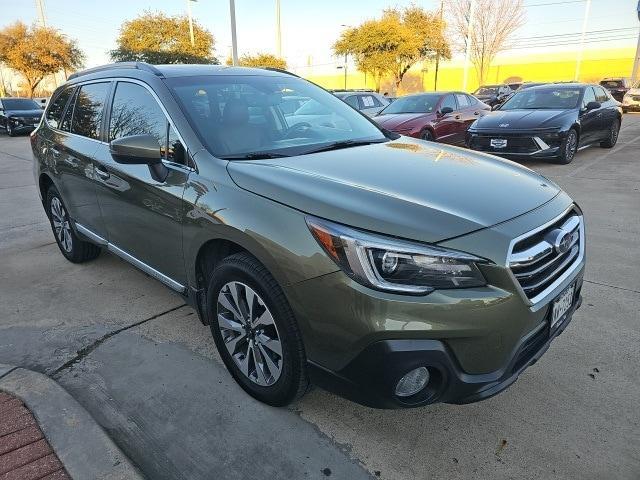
[(82, 446)]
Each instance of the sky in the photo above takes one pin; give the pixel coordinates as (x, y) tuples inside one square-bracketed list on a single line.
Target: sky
[(310, 27)]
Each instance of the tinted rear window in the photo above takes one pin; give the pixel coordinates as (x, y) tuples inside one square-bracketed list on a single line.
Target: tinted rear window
[(612, 83), (89, 108), (56, 109)]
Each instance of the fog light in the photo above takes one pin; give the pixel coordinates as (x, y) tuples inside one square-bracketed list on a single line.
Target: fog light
[(412, 382)]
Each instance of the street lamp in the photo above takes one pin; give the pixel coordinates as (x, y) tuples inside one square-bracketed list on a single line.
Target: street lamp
[(193, 40), (636, 63), (234, 40)]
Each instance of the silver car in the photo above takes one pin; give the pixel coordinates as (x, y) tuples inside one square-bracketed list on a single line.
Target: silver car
[(369, 103)]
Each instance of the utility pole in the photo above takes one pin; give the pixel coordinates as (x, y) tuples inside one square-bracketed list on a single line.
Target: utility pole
[(635, 75), (467, 55), (585, 21), (40, 8), (435, 81), (234, 40), (278, 31), (193, 41)]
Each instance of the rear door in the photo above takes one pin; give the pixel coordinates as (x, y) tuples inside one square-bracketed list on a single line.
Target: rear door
[(143, 216), (608, 111), (73, 145)]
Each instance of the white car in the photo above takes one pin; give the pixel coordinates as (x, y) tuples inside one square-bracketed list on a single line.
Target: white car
[(631, 100)]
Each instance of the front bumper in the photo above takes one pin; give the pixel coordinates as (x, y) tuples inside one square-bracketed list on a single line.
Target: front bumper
[(371, 377), (20, 127), (631, 104), (534, 145)]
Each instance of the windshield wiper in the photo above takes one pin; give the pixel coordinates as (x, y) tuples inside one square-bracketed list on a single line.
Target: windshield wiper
[(254, 156), (344, 144)]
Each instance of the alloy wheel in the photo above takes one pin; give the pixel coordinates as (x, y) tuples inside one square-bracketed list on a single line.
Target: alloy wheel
[(614, 133), (572, 144), (249, 333), (61, 224)]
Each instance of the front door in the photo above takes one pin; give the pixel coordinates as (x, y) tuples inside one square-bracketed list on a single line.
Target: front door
[(447, 126), (143, 216), (590, 120)]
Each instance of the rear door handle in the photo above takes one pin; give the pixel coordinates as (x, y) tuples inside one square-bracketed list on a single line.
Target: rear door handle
[(102, 172)]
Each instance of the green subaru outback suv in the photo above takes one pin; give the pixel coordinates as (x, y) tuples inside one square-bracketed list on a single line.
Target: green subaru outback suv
[(318, 248)]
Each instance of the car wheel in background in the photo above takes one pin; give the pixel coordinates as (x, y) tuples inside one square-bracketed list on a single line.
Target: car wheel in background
[(74, 249), (568, 148), (255, 331), (612, 139), (427, 135), (10, 131)]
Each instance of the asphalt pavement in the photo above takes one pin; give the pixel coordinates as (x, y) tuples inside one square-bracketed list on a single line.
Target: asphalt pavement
[(134, 356)]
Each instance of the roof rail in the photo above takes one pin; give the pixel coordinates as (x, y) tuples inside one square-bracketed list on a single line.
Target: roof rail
[(128, 65), (280, 70)]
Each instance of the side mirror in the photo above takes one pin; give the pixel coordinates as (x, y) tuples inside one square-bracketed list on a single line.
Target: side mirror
[(446, 110), (593, 105), (138, 150)]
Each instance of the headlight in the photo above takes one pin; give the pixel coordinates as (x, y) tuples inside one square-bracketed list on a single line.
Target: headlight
[(393, 265)]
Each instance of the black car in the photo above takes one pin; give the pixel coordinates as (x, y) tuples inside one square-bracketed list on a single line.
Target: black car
[(19, 115), (550, 121), (617, 87), (493, 95)]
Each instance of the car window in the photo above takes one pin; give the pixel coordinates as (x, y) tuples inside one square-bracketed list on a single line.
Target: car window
[(312, 107), (449, 101), (20, 104), (353, 101), (56, 108), (369, 101), (612, 83), (601, 95), (589, 96), (462, 100), (472, 100), (65, 125), (425, 103), (88, 110), (135, 111)]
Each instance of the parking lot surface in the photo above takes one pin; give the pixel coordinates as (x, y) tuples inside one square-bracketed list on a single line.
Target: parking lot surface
[(143, 365)]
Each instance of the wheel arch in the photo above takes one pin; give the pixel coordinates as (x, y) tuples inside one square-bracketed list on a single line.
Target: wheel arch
[(44, 183)]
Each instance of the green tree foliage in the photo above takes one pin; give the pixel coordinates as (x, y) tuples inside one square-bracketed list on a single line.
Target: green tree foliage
[(260, 60), (157, 38), (35, 52), (394, 43)]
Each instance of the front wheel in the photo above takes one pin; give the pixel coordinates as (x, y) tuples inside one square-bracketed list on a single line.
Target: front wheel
[(612, 135), (74, 249), (427, 135), (255, 331), (10, 131), (568, 148)]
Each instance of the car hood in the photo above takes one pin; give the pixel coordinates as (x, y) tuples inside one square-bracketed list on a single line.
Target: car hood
[(395, 120), (405, 188), (24, 113), (522, 119)]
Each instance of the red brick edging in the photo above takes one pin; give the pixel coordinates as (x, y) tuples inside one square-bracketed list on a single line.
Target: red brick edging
[(24, 452)]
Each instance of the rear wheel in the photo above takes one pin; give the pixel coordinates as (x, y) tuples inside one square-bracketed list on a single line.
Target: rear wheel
[(74, 249), (612, 137), (568, 148), (255, 331)]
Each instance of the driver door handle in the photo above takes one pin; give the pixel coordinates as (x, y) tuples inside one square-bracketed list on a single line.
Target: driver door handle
[(102, 172)]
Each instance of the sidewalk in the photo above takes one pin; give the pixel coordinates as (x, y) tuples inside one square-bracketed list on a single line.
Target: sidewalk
[(46, 434)]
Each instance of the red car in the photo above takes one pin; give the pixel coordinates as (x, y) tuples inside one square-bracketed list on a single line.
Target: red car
[(438, 116)]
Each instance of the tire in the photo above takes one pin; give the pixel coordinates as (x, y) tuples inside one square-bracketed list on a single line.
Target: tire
[(10, 131), (427, 135), (73, 249), (568, 148), (612, 137), (624, 110), (245, 345)]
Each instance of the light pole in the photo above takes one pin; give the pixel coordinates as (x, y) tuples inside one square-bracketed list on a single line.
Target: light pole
[(435, 80), (193, 41), (635, 75), (40, 7), (585, 21), (278, 31), (467, 55), (234, 40)]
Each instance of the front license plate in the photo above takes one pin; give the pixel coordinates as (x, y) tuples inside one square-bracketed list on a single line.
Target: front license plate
[(499, 142), (561, 305)]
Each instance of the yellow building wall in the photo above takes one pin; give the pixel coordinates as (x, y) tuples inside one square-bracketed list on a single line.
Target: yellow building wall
[(560, 66)]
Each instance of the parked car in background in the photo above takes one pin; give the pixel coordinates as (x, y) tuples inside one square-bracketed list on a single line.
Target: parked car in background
[(493, 95), (314, 114), (291, 103), (438, 116), (19, 115), (526, 85), (514, 85), (631, 99), (550, 121), (617, 86), (42, 101), (369, 103), (384, 269)]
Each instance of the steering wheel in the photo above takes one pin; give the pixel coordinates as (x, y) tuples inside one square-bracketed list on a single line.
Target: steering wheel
[(297, 129)]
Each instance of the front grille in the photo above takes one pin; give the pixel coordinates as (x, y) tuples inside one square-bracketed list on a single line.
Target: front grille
[(538, 260), (518, 144)]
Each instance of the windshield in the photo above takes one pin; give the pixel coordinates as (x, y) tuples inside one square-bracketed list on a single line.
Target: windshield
[(20, 104), (486, 91), (544, 99), (242, 117), (413, 104)]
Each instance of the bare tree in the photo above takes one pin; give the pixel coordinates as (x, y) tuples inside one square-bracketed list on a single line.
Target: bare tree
[(493, 23)]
